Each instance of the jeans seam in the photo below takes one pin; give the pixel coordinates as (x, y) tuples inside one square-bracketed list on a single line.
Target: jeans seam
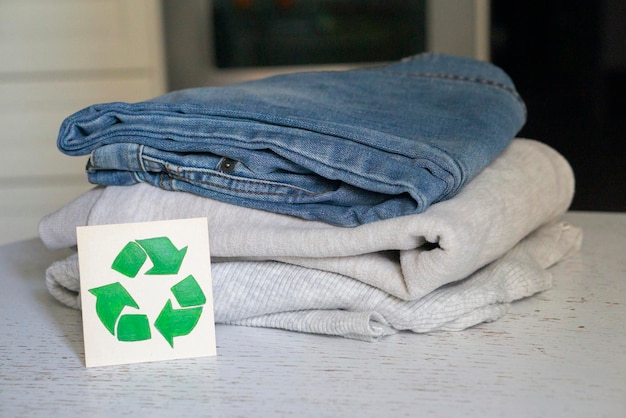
[(254, 182), (367, 176), (139, 154), (177, 173), (456, 77)]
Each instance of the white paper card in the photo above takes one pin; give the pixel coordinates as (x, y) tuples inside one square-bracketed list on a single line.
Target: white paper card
[(146, 291)]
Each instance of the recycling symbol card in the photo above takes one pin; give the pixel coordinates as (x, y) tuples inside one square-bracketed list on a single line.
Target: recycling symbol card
[(146, 291)]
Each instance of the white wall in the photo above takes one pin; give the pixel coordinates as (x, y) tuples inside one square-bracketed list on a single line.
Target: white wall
[(57, 57)]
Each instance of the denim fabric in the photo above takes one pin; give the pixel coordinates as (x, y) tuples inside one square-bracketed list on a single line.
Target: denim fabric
[(343, 147)]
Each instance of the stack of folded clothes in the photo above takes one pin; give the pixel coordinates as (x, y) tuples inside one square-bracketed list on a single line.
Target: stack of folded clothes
[(355, 203)]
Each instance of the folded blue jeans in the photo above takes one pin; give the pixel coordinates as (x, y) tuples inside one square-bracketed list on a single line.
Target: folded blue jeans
[(342, 147)]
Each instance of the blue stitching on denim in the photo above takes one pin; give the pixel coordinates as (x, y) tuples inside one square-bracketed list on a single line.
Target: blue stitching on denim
[(177, 173), (456, 77)]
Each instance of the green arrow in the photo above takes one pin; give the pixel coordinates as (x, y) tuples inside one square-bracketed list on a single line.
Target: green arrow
[(110, 301), (176, 322), (133, 327), (129, 260), (188, 292), (165, 257)]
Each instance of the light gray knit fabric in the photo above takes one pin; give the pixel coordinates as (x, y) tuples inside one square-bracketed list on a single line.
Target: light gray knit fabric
[(527, 186), (280, 295)]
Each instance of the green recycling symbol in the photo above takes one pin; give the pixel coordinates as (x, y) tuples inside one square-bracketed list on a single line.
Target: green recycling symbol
[(166, 259)]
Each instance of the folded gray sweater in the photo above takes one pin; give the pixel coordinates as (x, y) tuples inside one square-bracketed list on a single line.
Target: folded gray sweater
[(281, 295)]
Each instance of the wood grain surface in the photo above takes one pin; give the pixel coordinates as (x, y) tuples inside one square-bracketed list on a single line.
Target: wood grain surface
[(559, 353)]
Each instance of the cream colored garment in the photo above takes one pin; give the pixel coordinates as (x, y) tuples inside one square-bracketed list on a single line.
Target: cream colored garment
[(528, 185)]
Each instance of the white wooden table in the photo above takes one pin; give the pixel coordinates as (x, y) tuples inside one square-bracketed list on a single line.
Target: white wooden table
[(558, 354)]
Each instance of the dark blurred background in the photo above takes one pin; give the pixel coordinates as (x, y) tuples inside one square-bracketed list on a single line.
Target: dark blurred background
[(568, 61)]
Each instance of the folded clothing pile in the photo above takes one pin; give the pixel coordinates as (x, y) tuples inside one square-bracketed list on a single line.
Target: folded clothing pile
[(355, 203)]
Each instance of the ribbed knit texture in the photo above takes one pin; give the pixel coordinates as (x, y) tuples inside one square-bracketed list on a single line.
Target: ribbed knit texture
[(280, 295)]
